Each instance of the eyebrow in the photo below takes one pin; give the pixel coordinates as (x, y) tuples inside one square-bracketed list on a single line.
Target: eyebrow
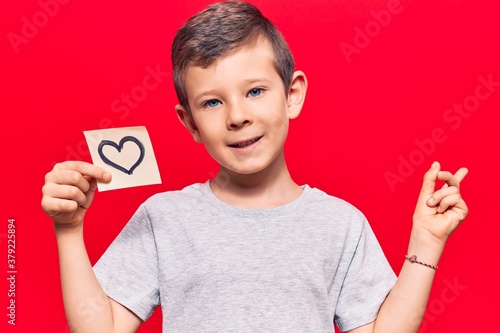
[(255, 80), (199, 97)]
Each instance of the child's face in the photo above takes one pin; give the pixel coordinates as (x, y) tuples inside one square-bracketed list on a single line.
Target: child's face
[(240, 109)]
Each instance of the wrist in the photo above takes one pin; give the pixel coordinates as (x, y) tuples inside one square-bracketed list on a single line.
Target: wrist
[(68, 231), (425, 246)]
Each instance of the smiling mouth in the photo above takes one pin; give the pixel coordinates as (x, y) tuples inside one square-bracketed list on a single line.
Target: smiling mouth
[(244, 144)]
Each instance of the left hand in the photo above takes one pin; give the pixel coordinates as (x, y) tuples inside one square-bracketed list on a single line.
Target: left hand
[(440, 212)]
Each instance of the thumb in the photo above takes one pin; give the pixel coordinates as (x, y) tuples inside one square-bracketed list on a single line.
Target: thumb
[(429, 183), (90, 193)]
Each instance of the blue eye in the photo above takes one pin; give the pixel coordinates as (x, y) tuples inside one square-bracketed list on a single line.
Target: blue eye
[(212, 103), (255, 92)]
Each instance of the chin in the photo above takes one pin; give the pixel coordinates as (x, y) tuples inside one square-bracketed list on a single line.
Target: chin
[(249, 167), (245, 170)]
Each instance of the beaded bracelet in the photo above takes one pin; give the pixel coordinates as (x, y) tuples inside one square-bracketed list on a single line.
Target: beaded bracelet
[(413, 259)]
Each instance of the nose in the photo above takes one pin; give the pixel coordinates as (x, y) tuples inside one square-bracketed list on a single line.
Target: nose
[(238, 116)]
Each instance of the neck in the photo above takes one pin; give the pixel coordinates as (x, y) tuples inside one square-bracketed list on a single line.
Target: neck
[(268, 188)]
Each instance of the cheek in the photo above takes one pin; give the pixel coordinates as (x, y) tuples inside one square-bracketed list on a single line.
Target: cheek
[(209, 131), (279, 119), (281, 122), (203, 123)]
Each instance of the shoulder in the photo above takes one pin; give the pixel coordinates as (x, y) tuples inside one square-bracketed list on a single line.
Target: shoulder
[(190, 191), (186, 199), (332, 204), (335, 209)]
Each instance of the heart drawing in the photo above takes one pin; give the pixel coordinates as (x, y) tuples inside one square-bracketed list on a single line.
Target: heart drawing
[(119, 147)]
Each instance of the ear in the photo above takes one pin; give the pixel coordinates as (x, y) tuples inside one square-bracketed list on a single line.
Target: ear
[(296, 94), (187, 121)]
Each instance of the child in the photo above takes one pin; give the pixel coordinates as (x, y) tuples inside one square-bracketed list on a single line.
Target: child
[(249, 250)]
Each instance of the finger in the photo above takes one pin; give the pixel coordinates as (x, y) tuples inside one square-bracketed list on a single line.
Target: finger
[(459, 175), (69, 177), (447, 202), (66, 192), (429, 183), (53, 206), (85, 169), (437, 196), (93, 184), (449, 178), (89, 195), (458, 210)]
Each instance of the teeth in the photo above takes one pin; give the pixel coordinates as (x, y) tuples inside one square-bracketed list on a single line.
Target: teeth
[(241, 145), (245, 144)]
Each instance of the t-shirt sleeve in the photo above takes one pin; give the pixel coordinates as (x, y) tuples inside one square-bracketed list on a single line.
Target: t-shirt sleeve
[(368, 281), (128, 270)]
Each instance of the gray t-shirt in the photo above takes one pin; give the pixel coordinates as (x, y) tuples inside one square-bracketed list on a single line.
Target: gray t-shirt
[(214, 267)]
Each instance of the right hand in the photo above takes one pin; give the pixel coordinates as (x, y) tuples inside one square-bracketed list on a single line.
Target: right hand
[(69, 190)]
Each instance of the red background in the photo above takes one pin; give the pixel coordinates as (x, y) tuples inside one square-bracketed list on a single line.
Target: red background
[(362, 116)]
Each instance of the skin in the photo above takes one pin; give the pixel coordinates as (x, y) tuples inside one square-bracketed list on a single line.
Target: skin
[(437, 215), (67, 194), (241, 97)]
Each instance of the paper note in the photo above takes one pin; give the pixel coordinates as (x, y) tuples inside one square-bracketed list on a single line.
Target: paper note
[(127, 153)]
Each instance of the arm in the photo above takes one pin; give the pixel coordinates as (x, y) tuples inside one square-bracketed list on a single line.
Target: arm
[(67, 194), (437, 215)]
